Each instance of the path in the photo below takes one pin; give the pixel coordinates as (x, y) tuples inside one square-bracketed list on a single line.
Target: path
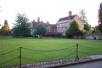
[(94, 64)]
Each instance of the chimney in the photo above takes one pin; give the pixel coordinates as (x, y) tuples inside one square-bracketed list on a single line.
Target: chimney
[(33, 22), (38, 20), (47, 23), (70, 13), (42, 22)]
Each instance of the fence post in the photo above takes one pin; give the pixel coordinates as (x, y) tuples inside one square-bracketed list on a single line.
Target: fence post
[(20, 56), (77, 58)]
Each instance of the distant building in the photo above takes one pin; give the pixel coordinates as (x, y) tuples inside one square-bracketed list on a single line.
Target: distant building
[(64, 23), (51, 28)]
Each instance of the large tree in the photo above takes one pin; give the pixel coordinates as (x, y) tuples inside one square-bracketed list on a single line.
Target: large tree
[(40, 30), (0, 11), (22, 27), (100, 13), (75, 29), (5, 30), (82, 15), (100, 17)]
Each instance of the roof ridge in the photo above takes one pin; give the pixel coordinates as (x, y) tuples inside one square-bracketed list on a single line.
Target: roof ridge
[(72, 15), (66, 18)]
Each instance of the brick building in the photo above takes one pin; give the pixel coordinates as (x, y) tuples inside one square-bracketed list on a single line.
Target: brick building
[(64, 23), (51, 28)]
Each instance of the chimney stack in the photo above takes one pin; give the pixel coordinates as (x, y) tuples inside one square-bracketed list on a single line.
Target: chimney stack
[(70, 13), (38, 20)]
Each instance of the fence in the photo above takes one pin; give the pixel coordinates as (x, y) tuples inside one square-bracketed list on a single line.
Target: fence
[(79, 49)]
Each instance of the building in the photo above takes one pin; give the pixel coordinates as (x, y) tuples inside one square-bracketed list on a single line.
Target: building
[(51, 28), (64, 23)]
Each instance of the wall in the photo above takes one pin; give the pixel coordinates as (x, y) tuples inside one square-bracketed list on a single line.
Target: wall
[(92, 36)]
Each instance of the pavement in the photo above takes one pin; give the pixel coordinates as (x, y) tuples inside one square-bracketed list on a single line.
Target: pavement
[(93, 64), (85, 62)]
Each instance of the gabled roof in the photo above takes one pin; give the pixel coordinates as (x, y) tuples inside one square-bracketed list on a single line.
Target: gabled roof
[(66, 18), (53, 26), (34, 23)]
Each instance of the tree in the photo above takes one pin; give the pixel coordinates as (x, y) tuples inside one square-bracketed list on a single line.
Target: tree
[(100, 18), (35, 34), (40, 30), (0, 11), (58, 34), (68, 33), (5, 30), (22, 27), (82, 15), (100, 27), (100, 13), (87, 27), (95, 30), (75, 29)]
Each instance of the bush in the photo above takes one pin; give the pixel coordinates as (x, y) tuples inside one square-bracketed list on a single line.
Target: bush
[(63, 36), (58, 35), (95, 30), (85, 32), (68, 33), (80, 33), (35, 34)]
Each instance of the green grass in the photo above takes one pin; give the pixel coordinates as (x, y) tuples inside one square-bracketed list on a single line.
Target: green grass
[(8, 44)]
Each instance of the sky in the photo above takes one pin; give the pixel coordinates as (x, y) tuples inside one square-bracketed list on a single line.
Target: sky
[(47, 10)]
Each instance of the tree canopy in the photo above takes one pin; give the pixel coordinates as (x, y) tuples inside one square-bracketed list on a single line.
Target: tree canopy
[(95, 30), (22, 27), (74, 29), (41, 29), (100, 13), (82, 15), (100, 18), (87, 27), (5, 30)]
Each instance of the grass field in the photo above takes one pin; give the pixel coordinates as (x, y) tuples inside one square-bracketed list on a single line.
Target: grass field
[(48, 49)]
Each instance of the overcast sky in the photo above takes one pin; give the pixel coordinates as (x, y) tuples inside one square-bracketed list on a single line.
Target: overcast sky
[(48, 10)]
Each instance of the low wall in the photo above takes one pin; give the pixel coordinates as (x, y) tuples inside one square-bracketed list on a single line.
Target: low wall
[(52, 64), (93, 36)]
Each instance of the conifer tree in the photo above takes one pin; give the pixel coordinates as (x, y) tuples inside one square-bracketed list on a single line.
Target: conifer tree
[(5, 30)]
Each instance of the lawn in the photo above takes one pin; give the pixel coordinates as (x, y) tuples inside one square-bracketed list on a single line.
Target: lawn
[(40, 50)]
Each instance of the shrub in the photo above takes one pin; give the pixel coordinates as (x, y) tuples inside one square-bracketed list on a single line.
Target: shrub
[(80, 33), (85, 32), (35, 34), (95, 30), (68, 33), (63, 36), (58, 35)]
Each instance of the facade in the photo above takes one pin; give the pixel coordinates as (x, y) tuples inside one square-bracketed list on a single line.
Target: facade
[(51, 28), (64, 23)]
